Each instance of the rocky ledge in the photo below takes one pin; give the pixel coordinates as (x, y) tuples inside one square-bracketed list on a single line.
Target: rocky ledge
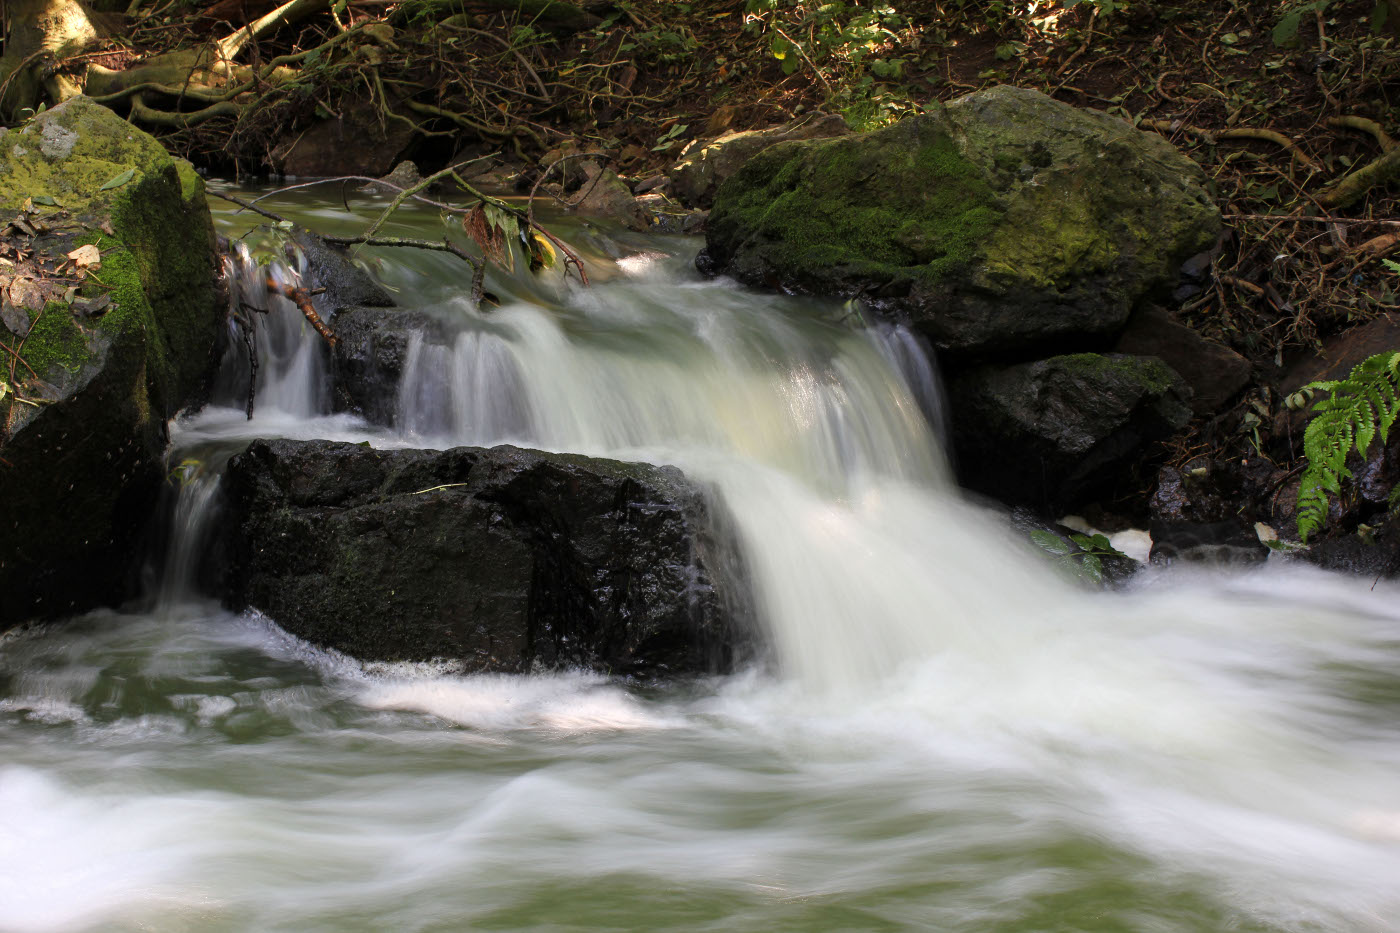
[(504, 558)]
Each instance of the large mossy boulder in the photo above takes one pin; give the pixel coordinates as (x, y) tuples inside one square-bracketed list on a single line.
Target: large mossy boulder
[(1060, 432), (502, 558), (107, 352), (1003, 224)]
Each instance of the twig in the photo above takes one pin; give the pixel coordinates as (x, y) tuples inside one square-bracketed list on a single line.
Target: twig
[(1083, 46), (803, 52), (1313, 219)]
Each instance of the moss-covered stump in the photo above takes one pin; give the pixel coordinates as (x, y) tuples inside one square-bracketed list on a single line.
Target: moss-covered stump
[(1060, 432), (102, 346), (1005, 224), (503, 558)]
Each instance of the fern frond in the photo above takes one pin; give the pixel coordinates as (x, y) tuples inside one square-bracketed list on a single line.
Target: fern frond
[(1356, 409)]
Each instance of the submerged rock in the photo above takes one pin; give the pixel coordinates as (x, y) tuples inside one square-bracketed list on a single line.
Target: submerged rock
[(1005, 223), (505, 558), (1057, 432), (81, 461), (1229, 542)]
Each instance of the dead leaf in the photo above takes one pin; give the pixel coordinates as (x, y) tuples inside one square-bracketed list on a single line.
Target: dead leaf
[(15, 320), (26, 293), (85, 256)]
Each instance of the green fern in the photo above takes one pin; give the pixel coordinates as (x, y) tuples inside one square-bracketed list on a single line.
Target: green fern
[(1358, 408)]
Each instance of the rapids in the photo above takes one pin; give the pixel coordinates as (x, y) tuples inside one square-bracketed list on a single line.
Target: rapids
[(945, 735)]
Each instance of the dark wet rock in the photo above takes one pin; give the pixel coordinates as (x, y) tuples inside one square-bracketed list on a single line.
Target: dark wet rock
[(1232, 541), (330, 268), (705, 164), (1005, 224), (367, 363), (1214, 373), (1199, 493), (1370, 551), (80, 473), (1056, 433), (505, 558)]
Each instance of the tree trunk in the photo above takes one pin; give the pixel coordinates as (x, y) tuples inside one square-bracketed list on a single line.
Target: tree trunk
[(38, 32)]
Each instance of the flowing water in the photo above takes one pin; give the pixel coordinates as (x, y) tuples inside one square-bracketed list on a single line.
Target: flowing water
[(946, 736)]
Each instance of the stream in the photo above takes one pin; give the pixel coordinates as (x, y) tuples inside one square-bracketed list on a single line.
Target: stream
[(943, 734)]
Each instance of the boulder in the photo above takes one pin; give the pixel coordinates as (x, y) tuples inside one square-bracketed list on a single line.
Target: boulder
[(1004, 224), (707, 163), (1215, 373), (1059, 432), (81, 467), (504, 558)]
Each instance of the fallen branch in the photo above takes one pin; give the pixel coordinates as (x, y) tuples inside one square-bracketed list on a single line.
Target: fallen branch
[(301, 297), (1378, 246), (1313, 219)]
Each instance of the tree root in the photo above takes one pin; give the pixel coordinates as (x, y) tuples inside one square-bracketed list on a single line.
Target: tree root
[(1354, 186), (1351, 188), (1239, 132), (145, 114)]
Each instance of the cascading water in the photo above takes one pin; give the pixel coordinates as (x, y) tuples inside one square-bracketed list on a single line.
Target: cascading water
[(955, 738)]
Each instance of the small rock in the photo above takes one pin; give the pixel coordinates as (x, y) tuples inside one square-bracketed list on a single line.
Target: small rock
[(605, 195), (654, 183)]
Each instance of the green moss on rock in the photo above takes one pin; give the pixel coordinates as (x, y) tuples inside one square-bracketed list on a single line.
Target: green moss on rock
[(55, 342), (1006, 222), (81, 472)]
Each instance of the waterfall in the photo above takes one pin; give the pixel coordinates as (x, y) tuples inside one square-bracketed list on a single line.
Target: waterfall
[(951, 736)]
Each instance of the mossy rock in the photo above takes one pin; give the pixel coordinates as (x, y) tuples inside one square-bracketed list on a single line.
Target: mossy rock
[(1003, 224), (82, 469), (1063, 431)]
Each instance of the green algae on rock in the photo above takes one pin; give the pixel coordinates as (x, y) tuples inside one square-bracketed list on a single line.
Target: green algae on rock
[(103, 370), (1004, 223)]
